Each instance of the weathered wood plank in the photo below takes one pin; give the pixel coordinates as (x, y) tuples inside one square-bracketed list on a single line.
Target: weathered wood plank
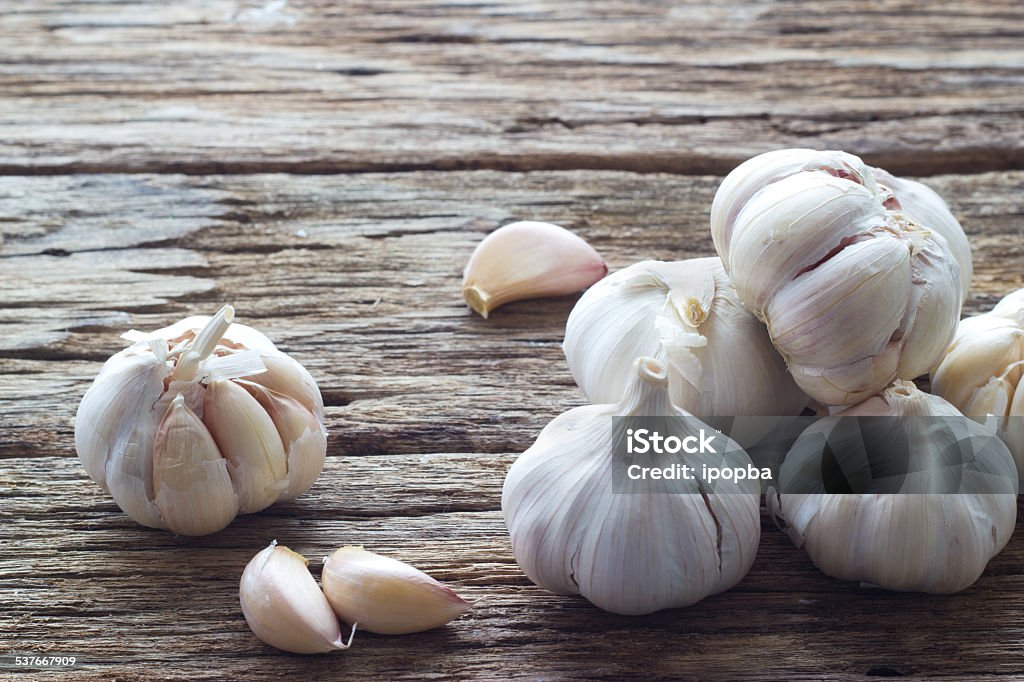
[(79, 577), (692, 88), (368, 299)]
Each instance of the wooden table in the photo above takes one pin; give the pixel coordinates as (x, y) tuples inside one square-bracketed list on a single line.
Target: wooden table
[(328, 167)]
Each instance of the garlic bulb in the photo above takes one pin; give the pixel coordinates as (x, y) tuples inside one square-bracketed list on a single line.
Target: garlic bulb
[(284, 607), (626, 553), (182, 441), (854, 292), (386, 596), (528, 260), (983, 367), (934, 523), (719, 358)]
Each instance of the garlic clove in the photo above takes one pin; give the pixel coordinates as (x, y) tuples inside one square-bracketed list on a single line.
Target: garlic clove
[(304, 438), (528, 260), (287, 376), (248, 439), (194, 492), (386, 596), (117, 400), (283, 605)]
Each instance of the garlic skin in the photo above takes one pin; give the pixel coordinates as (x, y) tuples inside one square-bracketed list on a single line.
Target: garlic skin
[(982, 369), (528, 260), (924, 206), (386, 596), (629, 554), (200, 421), (284, 607), (912, 540), (719, 357), (855, 293)]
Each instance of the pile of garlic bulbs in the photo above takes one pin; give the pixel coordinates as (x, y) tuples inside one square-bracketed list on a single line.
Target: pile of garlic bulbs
[(836, 284), (198, 422)]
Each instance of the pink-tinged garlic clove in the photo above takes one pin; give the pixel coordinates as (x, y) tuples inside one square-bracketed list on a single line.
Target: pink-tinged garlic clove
[(528, 260)]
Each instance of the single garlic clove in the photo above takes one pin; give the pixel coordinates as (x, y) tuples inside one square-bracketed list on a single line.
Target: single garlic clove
[(287, 376), (116, 399), (246, 436), (528, 260), (304, 438), (194, 492), (284, 606), (386, 596)]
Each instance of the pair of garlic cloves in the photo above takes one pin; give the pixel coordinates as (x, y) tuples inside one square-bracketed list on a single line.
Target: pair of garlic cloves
[(285, 607), (528, 260)]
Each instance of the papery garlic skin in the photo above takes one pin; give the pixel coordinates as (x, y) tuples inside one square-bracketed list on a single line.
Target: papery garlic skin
[(924, 206), (168, 416), (528, 260), (629, 554), (854, 294), (907, 541), (385, 596), (982, 370), (284, 606), (720, 359)]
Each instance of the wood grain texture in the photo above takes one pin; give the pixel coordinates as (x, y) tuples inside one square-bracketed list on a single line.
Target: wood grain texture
[(328, 168), (427, 406), (685, 87)]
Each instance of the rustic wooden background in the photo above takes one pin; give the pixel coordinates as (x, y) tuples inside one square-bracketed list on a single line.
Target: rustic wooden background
[(328, 167)]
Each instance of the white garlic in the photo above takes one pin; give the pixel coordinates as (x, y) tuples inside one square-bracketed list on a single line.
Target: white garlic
[(982, 369), (626, 553), (386, 596), (924, 206), (181, 442), (284, 606), (720, 360), (924, 538), (528, 260), (854, 294)]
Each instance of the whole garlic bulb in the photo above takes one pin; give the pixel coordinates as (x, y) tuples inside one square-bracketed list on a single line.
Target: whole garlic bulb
[(200, 421), (719, 358), (855, 292), (626, 553), (982, 370), (923, 538)]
